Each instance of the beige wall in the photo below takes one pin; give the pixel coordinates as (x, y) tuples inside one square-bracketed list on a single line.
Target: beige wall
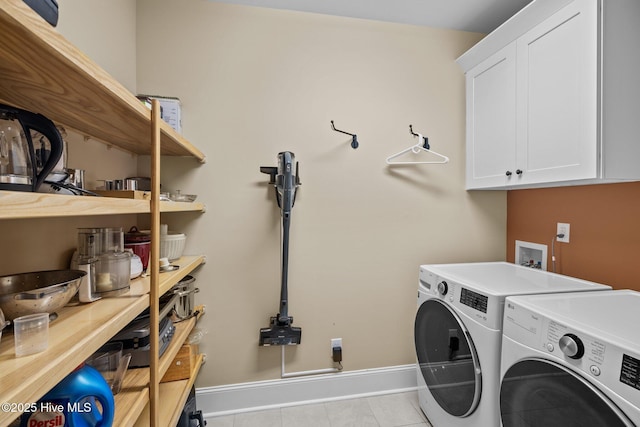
[(106, 32), (254, 82)]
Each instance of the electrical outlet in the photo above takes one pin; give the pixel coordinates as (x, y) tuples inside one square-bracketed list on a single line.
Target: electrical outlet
[(563, 228), (336, 350)]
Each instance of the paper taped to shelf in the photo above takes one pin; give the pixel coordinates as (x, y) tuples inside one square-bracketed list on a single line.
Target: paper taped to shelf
[(170, 109)]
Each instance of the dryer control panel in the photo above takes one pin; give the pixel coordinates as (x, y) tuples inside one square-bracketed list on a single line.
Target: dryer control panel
[(477, 306), (474, 300)]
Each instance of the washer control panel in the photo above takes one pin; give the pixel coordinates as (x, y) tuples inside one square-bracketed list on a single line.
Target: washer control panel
[(630, 371), (597, 356), (571, 346)]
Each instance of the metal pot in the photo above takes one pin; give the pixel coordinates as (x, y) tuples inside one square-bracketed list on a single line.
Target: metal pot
[(186, 290), (38, 292)]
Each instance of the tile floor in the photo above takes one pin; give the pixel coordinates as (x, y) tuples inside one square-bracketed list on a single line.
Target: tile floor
[(390, 410)]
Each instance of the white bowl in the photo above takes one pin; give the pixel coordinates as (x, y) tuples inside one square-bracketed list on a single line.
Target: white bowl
[(172, 245)]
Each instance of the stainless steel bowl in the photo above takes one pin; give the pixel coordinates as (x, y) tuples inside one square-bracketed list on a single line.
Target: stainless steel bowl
[(38, 292), (179, 197)]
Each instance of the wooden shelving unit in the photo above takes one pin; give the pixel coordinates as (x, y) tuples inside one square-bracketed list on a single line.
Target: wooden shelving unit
[(42, 72)]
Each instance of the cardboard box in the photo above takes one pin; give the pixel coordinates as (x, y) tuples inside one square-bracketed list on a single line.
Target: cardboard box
[(182, 364), (170, 109)]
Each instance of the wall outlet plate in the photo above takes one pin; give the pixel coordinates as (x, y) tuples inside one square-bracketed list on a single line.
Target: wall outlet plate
[(563, 228), (336, 342)]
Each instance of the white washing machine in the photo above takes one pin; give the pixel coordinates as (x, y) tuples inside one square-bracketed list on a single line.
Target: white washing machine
[(458, 333), (571, 360)]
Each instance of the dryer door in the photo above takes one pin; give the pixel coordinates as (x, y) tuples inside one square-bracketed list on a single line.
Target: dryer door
[(538, 392), (447, 358)]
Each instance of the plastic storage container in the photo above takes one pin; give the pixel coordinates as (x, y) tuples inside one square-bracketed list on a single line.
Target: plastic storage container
[(106, 361), (31, 333)]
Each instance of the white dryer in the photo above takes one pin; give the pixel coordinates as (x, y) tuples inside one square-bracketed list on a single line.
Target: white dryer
[(458, 333), (571, 360)]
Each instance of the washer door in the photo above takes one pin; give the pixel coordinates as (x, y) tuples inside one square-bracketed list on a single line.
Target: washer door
[(542, 393), (447, 358)]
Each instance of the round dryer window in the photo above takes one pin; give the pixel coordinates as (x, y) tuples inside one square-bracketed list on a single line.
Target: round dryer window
[(542, 393), (447, 358)]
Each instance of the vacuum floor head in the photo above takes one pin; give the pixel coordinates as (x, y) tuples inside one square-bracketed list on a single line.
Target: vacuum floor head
[(280, 334)]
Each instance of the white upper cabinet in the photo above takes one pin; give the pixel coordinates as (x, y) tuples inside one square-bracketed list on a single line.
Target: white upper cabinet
[(491, 120), (536, 88), (557, 103)]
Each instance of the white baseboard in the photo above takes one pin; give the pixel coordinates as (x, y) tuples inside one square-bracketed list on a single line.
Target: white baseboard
[(260, 395)]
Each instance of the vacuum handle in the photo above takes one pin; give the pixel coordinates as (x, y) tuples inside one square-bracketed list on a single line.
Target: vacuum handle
[(272, 171), (283, 316)]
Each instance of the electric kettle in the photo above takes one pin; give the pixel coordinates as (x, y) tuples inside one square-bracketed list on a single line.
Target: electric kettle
[(30, 147)]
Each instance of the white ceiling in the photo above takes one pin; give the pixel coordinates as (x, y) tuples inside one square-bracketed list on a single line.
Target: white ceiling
[(481, 16)]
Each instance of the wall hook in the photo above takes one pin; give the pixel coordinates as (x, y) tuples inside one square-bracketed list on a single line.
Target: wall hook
[(426, 140), (354, 137), (421, 147)]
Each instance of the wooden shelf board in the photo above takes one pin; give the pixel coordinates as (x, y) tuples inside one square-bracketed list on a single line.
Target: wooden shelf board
[(22, 205), (77, 332), (44, 73), (181, 207), (132, 398), (187, 263)]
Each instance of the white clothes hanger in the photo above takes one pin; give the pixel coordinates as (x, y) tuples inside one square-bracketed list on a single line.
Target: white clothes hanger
[(417, 149)]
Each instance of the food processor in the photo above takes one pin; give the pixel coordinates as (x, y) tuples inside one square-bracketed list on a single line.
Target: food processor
[(101, 254), (113, 270)]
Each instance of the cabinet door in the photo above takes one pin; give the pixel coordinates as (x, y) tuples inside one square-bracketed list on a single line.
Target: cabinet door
[(491, 120), (558, 96)]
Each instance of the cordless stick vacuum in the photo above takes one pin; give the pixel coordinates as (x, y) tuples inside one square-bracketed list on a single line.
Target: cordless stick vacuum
[(280, 331)]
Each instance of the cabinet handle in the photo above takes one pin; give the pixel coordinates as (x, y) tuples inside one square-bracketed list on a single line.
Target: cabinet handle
[(508, 173), (519, 172)]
